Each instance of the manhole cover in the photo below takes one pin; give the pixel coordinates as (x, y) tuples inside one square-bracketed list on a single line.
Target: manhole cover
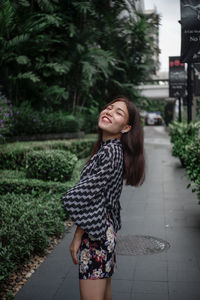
[(140, 245)]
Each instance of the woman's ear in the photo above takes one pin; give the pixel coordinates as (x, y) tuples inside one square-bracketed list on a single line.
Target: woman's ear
[(127, 128)]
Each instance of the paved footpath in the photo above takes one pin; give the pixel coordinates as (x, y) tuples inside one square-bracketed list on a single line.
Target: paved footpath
[(162, 207)]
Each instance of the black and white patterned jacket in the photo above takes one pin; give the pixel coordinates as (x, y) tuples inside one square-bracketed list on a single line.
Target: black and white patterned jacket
[(98, 190)]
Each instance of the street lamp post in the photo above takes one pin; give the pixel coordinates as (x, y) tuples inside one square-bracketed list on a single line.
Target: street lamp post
[(179, 109), (189, 92)]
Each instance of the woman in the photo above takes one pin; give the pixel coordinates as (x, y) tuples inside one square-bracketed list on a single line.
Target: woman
[(93, 203)]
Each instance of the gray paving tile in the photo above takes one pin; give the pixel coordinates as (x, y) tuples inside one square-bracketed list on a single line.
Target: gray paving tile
[(73, 272), (151, 274), (184, 275), (181, 296), (190, 290), (121, 286), (69, 289), (150, 287), (124, 273), (181, 257), (149, 296), (121, 296), (191, 264), (150, 262)]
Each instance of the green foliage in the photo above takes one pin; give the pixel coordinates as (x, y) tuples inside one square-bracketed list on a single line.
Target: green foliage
[(27, 222), (16, 182), (182, 134), (26, 121), (88, 117), (13, 155), (54, 165), (6, 116), (193, 165), (65, 54), (31, 210), (82, 148), (186, 146), (24, 185)]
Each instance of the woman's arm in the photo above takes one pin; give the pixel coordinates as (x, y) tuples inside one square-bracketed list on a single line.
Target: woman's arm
[(79, 232), (75, 244)]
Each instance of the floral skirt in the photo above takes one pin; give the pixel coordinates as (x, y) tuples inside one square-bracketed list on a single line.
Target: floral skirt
[(97, 258)]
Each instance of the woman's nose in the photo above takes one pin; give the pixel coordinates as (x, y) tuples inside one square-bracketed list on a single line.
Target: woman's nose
[(109, 112)]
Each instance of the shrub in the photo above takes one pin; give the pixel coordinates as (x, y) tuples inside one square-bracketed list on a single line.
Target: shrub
[(182, 134), (187, 147), (22, 186), (13, 158), (16, 182), (13, 155), (29, 216), (6, 117), (82, 148), (193, 165), (27, 222), (27, 120), (55, 165)]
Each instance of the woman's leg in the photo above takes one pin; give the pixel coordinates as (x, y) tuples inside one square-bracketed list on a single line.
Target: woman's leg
[(93, 289), (108, 292)]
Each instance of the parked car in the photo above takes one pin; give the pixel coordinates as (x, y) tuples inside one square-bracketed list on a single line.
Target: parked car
[(154, 118), (143, 115)]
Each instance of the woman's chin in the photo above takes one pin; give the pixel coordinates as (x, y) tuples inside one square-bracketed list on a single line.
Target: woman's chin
[(104, 126)]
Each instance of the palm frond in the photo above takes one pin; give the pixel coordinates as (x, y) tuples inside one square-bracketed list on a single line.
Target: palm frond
[(41, 21), (23, 3), (7, 15), (72, 30), (57, 92), (23, 60), (17, 40), (88, 71), (83, 7), (45, 5), (59, 68), (29, 75)]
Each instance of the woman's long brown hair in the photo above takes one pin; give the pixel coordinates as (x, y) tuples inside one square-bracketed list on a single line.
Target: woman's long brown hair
[(133, 145)]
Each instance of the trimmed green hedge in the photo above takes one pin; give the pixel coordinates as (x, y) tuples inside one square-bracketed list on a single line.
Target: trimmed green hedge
[(182, 134), (16, 182), (186, 146), (55, 165), (27, 222), (13, 155), (31, 210), (25, 185), (193, 165)]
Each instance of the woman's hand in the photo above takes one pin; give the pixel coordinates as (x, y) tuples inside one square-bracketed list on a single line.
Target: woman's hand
[(75, 244)]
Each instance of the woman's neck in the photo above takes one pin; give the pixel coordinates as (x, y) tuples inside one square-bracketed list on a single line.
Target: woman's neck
[(106, 136)]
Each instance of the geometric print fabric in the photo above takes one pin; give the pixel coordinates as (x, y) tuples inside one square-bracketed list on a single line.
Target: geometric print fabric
[(98, 191)]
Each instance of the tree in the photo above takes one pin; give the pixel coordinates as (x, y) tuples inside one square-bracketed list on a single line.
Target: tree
[(70, 54)]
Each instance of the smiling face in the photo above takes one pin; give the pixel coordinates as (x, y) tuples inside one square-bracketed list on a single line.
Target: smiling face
[(113, 119)]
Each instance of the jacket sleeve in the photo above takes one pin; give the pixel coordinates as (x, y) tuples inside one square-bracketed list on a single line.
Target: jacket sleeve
[(85, 202)]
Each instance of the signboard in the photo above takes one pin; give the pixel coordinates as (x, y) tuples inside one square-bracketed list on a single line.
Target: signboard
[(190, 30), (197, 79), (177, 78)]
